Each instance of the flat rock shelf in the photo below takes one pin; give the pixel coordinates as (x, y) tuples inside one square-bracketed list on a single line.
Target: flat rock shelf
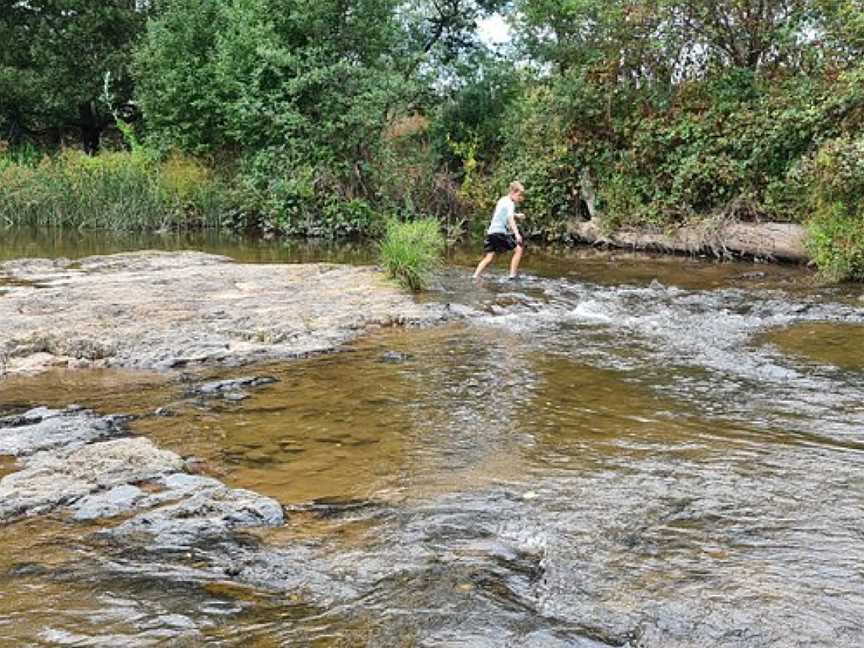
[(159, 310)]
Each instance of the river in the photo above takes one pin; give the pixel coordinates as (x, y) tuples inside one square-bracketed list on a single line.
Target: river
[(621, 450)]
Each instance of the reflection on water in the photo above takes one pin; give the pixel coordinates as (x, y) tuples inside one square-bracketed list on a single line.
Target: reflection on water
[(121, 392), (74, 244), (592, 459)]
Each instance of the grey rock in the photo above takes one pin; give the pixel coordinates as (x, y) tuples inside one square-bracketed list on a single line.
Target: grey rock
[(52, 479), (230, 389), (203, 516), (463, 311), (106, 504), (159, 310), (178, 486), (751, 275), (42, 429), (186, 484), (395, 357), (100, 480)]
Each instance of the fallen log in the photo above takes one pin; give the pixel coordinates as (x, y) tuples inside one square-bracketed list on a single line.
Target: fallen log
[(780, 241)]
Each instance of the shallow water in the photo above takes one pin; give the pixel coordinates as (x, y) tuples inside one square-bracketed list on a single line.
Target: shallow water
[(825, 343), (594, 458)]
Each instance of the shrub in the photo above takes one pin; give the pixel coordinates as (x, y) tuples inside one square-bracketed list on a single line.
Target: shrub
[(411, 251), (836, 228), (197, 195), (836, 243), (408, 179)]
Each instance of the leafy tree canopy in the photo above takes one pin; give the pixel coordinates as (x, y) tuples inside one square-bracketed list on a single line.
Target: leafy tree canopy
[(54, 59)]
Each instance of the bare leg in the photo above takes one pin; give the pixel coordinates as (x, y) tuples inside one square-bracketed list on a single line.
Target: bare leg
[(514, 262), (485, 261)]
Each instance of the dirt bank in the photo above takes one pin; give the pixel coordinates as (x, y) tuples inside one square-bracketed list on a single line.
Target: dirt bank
[(158, 310)]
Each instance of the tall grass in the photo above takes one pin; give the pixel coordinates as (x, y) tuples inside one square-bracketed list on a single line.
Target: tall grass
[(410, 252), (114, 190)]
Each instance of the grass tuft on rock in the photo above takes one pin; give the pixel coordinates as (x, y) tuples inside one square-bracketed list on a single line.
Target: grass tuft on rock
[(410, 252)]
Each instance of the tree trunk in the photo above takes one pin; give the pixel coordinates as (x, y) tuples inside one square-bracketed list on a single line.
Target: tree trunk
[(782, 241), (15, 133), (91, 128)]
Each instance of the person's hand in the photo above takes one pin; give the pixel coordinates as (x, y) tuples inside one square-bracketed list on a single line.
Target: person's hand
[(519, 239), (520, 216)]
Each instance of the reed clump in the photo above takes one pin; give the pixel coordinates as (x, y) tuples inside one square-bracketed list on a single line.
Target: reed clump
[(411, 251), (113, 190)]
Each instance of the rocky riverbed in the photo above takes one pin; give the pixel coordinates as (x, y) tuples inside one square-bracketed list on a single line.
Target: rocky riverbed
[(160, 310), (648, 460)]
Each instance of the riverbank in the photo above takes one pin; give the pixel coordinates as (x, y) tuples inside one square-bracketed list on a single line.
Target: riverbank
[(161, 311)]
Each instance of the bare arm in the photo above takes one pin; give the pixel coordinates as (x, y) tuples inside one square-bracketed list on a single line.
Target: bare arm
[(514, 228)]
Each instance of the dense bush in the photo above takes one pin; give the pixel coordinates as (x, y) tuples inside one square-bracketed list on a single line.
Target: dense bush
[(837, 199), (410, 251), (731, 145), (313, 78)]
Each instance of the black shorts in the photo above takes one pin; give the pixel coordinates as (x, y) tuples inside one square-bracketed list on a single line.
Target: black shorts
[(500, 243)]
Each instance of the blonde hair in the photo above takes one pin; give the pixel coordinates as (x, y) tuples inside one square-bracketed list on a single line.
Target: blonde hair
[(516, 186)]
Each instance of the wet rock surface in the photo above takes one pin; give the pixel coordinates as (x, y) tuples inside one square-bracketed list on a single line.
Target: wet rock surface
[(45, 429), (158, 310), (94, 478), (234, 389), (207, 511)]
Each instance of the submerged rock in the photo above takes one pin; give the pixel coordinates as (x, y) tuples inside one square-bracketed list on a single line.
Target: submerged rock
[(395, 357), (232, 390), (206, 514)]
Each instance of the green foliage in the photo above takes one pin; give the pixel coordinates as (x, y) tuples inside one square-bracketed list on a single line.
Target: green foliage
[(472, 114), (535, 152), (276, 192), (836, 243), (304, 95), (411, 251), (409, 179), (836, 228), (316, 78), (324, 115), (54, 56), (665, 134), (119, 191)]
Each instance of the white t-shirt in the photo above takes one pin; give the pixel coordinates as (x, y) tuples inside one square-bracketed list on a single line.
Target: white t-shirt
[(501, 216)]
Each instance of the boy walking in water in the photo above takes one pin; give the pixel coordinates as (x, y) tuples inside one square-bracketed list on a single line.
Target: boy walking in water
[(503, 234)]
